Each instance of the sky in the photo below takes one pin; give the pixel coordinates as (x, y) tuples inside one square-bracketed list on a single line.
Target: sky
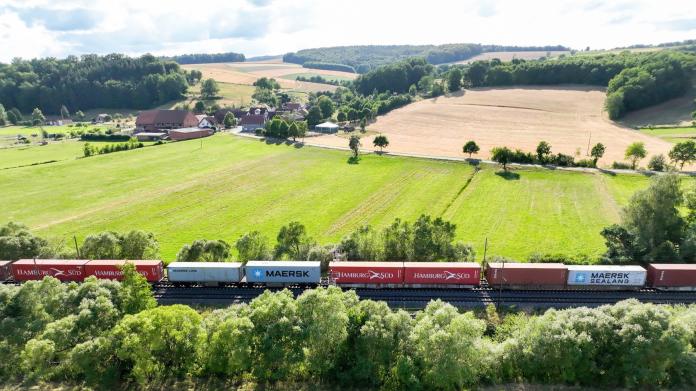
[(58, 28)]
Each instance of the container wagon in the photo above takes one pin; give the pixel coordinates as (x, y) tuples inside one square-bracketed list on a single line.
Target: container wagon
[(37, 269), (367, 274), (205, 273), (442, 274), (524, 276), (283, 273), (5, 270), (672, 276), (152, 270), (603, 277)]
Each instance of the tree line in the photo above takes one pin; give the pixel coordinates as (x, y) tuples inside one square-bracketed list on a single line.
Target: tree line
[(206, 58), (633, 80), (105, 333), (90, 81), (362, 59)]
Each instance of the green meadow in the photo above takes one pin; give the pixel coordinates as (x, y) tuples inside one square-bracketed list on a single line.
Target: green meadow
[(226, 185)]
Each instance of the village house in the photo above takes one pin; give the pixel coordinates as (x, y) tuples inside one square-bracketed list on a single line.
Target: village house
[(206, 121), (152, 120), (251, 122)]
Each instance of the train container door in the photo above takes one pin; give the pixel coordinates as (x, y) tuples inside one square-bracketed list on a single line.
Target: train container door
[(5, 270)]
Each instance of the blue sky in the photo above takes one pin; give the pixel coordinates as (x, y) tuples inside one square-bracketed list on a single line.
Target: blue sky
[(38, 28)]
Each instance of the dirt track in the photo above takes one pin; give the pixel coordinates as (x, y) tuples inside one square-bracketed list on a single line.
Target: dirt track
[(567, 117)]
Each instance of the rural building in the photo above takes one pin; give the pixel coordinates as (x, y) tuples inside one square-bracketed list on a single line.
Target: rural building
[(206, 121), (251, 122), (292, 106), (326, 127), (101, 118), (189, 133), (150, 136), (57, 121), (221, 113), (153, 120)]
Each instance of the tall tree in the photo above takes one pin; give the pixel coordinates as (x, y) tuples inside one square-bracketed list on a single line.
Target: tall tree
[(470, 147), (204, 251), (454, 80), (543, 151), (326, 106), (209, 88), (636, 152), (229, 121), (501, 155), (381, 141), (37, 117), (313, 116), (291, 241), (252, 246), (683, 153), (3, 116), (597, 152), (354, 145)]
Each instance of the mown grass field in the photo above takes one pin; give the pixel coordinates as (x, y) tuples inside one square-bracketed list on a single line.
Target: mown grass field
[(231, 185), (673, 135)]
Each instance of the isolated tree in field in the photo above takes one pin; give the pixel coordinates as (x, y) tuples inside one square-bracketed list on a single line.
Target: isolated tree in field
[(354, 145), (381, 141), (209, 88), (597, 152), (501, 155), (199, 107), (3, 116), (37, 117), (657, 163), (683, 153), (635, 152), (341, 116), (313, 116), (543, 150), (79, 115), (64, 113), (454, 80), (326, 106), (267, 83), (471, 148), (229, 121)]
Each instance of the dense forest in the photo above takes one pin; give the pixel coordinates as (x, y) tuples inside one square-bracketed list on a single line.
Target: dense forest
[(90, 81), (397, 77), (634, 80), (366, 58), (206, 58)]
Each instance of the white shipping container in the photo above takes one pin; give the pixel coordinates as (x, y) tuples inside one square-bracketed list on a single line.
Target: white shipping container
[(223, 272), (606, 275), (283, 272)]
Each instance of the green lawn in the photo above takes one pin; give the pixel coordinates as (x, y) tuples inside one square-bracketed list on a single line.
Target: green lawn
[(673, 135), (232, 94), (231, 185), (294, 76)]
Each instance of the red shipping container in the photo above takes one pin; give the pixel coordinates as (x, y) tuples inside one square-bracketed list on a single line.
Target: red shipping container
[(153, 270), (62, 269), (5, 271), (526, 274), (672, 275), (450, 273), (367, 272)]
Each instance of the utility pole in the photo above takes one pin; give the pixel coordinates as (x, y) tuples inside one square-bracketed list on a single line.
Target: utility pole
[(77, 250)]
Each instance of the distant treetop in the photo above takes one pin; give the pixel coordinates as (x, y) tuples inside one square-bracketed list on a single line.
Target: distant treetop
[(206, 58)]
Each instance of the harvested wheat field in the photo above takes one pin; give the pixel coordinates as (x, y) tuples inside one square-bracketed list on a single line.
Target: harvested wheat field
[(249, 72), (513, 117)]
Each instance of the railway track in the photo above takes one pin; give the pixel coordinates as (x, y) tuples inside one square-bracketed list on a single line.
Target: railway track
[(419, 298)]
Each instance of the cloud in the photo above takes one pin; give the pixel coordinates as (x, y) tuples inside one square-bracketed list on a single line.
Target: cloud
[(59, 19), (486, 9), (678, 24)]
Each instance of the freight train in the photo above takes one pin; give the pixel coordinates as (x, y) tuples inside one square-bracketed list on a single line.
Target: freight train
[(512, 276)]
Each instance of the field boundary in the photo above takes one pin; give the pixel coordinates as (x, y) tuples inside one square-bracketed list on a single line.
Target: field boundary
[(610, 171)]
